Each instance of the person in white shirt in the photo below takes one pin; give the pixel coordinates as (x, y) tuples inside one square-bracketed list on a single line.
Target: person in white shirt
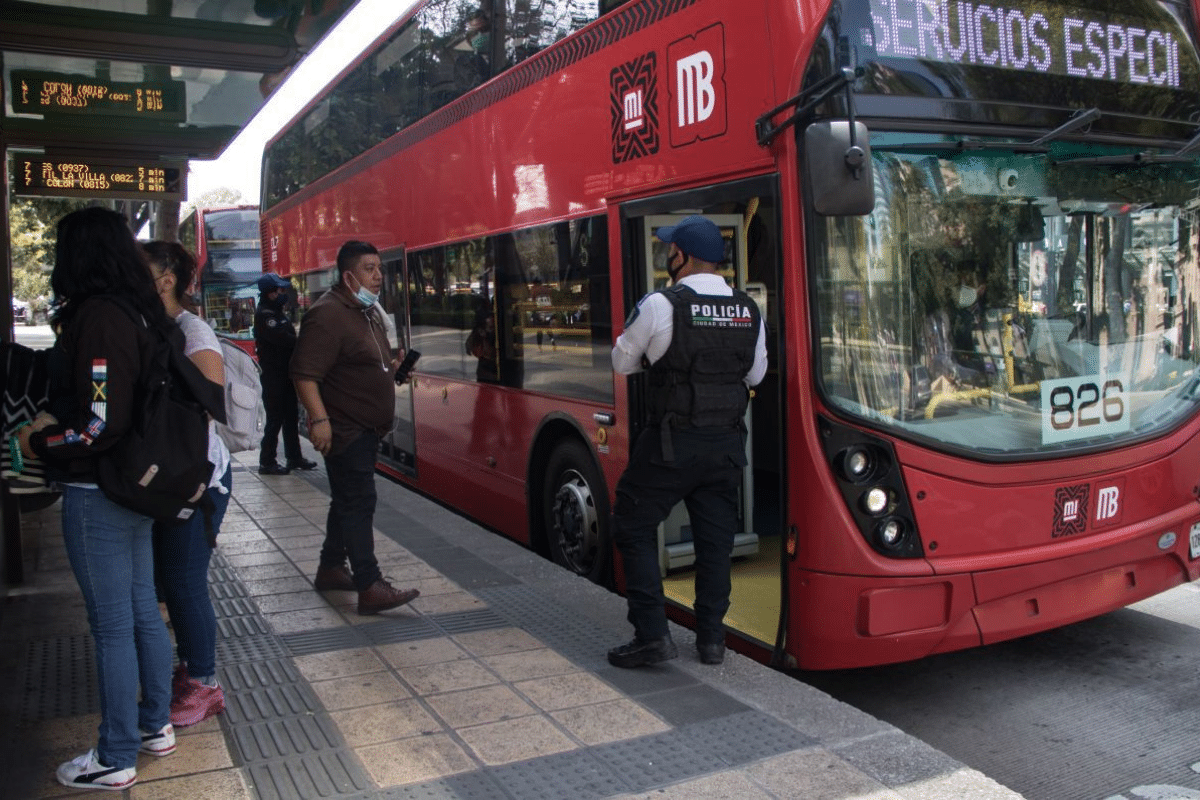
[(182, 550), (704, 345)]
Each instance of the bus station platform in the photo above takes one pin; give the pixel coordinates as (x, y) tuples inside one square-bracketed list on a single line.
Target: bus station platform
[(492, 684)]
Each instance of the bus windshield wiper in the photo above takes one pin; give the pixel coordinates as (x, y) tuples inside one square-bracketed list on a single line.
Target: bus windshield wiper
[(1078, 120), (1143, 159), (811, 97), (1192, 144)]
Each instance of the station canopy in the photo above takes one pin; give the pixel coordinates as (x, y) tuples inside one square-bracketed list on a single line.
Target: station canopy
[(146, 81)]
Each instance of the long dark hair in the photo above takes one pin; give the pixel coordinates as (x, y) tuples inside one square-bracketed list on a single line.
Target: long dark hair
[(97, 254), (174, 258)]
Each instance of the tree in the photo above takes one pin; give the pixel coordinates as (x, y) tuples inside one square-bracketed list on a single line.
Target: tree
[(33, 233), (221, 197)]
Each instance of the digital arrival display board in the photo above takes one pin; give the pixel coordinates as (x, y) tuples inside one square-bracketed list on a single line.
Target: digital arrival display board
[(1010, 63), (53, 93), (39, 176), (1053, 38)]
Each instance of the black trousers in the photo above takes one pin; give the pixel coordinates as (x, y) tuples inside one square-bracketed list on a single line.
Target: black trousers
[(705, 474), (283, 416)]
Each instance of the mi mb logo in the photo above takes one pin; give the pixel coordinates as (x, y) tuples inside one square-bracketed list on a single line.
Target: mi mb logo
[(634, 104), (698, 95), (1070, 511)]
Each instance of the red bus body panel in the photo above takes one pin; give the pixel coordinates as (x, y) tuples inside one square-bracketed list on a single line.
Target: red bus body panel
[(992, 568)]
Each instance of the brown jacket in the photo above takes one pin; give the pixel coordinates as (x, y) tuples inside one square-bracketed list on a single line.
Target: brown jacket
[(344, 348)]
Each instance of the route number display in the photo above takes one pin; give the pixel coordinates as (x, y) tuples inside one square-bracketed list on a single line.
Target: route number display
[(1084, 407), (75, 177)]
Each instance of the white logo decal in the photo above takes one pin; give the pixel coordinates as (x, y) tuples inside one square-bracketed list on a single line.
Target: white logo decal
[(694, 88), (1108, 503), (634, 116), (1070, 510)]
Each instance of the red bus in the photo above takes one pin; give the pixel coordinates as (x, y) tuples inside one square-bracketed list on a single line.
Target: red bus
[(229, 259), (972, 231)]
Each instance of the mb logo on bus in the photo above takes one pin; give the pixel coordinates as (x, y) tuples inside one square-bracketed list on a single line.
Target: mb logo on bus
[(697, 86)]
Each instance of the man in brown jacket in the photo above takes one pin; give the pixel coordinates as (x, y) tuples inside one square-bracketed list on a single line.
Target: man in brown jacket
[(343, 371)]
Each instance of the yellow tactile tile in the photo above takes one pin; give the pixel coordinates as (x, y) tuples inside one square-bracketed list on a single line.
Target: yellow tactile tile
[(388, 722), (414, 760), (515, 740), (615, 720)]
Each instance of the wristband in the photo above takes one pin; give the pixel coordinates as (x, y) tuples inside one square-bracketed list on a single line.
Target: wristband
[(312, 423)]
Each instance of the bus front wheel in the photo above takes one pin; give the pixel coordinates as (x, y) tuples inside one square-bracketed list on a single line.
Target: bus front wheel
[(576, 512)]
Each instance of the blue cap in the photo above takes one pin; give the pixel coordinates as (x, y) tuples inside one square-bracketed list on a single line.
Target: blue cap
[(696, 236), (269, 282)]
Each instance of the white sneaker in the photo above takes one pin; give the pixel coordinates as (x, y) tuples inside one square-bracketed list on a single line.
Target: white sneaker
[(86, 772), (159, 743)]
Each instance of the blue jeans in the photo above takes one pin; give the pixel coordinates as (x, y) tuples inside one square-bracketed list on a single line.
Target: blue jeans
[(181, 555), (110, 551), (349, 528)]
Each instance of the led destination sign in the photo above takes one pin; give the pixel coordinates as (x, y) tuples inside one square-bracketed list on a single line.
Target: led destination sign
[(50, 93), (1039, 36), (78, 178)]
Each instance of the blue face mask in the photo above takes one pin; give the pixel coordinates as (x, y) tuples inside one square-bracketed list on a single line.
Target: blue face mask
[(365, 296)]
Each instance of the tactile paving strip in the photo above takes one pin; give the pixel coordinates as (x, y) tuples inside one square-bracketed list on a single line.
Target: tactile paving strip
[(542, 617), (59, 678)]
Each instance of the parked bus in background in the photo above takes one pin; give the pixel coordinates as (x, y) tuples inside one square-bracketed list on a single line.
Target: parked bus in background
[(229, 255), (972, 232)]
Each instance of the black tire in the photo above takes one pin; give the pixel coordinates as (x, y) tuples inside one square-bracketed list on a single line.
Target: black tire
[(575, 510)]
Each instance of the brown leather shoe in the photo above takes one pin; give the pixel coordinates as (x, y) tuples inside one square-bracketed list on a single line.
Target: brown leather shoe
[(381, 596), (333, 579)]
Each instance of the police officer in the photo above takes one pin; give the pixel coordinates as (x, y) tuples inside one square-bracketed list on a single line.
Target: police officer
[(275, 339), (704, 345)]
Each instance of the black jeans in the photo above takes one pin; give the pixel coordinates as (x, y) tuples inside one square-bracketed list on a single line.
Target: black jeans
[(349, 528), (283, 415), (705, 474)]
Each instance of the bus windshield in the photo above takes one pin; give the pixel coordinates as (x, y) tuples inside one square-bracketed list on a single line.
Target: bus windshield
[(1009, 303)]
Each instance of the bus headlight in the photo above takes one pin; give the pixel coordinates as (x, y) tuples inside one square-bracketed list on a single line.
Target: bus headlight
[(870, 479), (876, 501), (859, 464), (890, 533)]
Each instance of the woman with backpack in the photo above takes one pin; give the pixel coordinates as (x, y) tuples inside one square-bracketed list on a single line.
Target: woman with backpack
[(102, 351), (182, 550)]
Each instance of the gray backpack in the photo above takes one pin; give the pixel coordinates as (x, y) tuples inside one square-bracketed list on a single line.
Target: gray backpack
[(245, 416)]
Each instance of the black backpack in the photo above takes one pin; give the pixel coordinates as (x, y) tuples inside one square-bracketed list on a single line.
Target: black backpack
[(160, 468)]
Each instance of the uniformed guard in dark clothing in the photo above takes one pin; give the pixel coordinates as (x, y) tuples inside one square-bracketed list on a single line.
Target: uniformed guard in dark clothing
[(275, 339), (705, 345)]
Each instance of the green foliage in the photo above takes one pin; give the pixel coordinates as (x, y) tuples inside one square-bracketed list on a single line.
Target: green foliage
[(32, 229)]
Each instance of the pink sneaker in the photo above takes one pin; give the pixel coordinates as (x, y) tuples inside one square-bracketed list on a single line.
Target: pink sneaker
[(194, 702)]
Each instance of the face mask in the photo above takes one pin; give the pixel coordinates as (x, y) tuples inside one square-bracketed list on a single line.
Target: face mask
[(967, 295), (364, 296), (674, 269)]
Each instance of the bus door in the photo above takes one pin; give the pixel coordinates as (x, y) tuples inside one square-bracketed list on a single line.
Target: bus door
[(674, 536), (399, 446)]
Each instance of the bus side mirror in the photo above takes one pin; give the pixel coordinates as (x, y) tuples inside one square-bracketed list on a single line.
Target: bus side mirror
[(838, 162)]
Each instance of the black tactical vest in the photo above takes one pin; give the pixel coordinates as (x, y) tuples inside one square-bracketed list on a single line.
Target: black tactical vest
[(699, 381)]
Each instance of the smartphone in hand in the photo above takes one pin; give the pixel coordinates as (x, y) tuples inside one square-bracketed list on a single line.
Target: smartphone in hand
[(406, 366)]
